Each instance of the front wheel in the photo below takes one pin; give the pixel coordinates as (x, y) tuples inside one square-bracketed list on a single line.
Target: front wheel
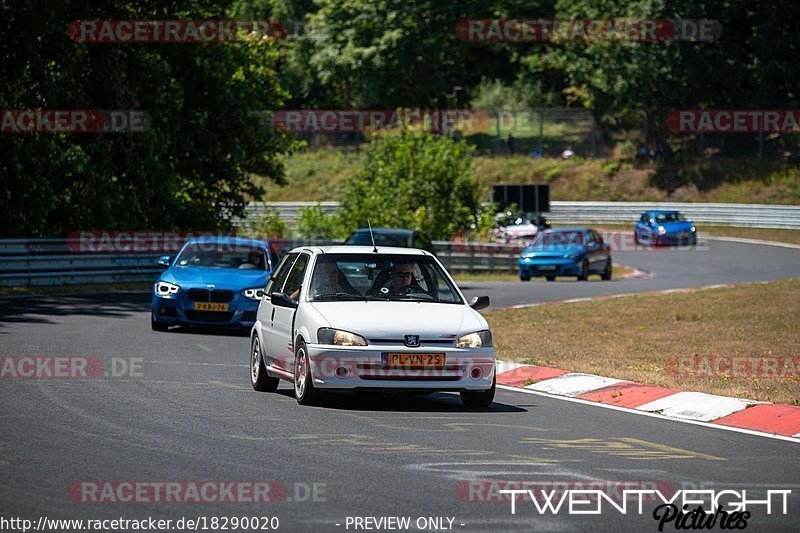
[(550, 278), (606, 275), (524, 278), (479, 399), (304, 390), (259, 378), (584, 275)]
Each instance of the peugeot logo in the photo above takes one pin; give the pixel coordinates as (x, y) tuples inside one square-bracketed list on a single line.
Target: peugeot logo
[(411, 341)]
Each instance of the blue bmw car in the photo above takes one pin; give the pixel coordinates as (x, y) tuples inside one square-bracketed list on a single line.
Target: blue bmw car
[(566, 252), (213, 281), (663, 227)]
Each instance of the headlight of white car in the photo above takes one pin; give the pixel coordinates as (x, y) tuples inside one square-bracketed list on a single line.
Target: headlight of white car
[(165, 289), (254, 294), (479, 339), (339, 337)]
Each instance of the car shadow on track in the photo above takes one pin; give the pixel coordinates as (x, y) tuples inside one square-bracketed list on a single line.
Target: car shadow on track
[(221, 332), (40, 309), (437, 402)]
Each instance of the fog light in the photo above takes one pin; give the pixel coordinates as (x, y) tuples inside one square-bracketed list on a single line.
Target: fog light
[(476, 373), (342, 372)]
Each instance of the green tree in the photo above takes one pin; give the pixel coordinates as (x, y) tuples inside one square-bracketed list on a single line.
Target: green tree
[(204, 143), (413, 180)]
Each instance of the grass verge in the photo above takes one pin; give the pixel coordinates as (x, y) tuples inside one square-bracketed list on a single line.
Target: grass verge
[(634, 338)]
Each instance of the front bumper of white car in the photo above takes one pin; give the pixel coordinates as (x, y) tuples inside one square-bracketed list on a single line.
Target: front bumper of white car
[(364, 368)]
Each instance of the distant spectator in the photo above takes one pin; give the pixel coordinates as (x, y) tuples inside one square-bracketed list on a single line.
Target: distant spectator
[(663, 150), (642, 152), (568, 153), (512, 144), (536, 153)]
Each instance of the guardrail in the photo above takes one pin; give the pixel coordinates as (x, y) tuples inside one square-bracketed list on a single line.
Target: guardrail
[(56, 261), (740, 215)]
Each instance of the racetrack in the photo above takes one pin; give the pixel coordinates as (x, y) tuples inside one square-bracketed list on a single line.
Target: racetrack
[(190, 414), (714, 262)]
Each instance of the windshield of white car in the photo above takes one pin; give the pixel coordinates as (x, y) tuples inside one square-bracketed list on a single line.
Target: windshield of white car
[(345, 277), (223, 255)]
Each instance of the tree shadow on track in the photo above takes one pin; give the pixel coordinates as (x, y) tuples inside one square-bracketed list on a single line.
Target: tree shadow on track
[(40, 309), (406, 402)]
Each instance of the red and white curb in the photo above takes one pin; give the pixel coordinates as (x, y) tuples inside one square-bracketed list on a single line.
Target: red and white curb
[(749, 415)]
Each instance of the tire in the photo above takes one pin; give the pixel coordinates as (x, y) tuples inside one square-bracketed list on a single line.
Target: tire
[(608, 271), (479, 399), (259, 379), (550, 278), (157, 326), (636, 237), (524, 278), (584, 275), (304, 390), (694, 240)]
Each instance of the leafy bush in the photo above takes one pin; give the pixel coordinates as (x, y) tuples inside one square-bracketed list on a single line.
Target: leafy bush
[(269, 225), (413, 180), (314, 223)]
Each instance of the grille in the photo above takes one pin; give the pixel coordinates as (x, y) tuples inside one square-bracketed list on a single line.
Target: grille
[(421, 342), (197, 295), (209, 316), (221, 295)]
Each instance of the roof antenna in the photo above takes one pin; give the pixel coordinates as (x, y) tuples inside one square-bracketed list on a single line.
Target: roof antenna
[(371, 236)]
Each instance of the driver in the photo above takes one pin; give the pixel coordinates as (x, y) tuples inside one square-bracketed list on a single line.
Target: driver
[(402, 279)]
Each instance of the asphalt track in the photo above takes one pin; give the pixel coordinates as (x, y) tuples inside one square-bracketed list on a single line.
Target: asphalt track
[(190, 414)]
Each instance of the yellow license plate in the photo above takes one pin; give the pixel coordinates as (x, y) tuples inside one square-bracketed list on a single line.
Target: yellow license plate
[(210, 306), (412, 360)]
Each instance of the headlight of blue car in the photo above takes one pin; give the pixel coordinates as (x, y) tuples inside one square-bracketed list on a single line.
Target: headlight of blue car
[(256, 293), (165, 290)]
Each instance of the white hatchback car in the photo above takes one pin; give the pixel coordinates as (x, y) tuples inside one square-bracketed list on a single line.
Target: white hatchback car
[(358, 318)]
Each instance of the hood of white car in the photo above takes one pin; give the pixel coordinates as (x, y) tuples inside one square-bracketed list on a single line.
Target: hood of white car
[(392, 320)]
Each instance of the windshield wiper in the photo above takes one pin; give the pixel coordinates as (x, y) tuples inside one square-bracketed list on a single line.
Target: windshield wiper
[(339, 296)]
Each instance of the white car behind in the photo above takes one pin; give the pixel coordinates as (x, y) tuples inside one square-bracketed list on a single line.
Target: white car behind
[(358, 318)]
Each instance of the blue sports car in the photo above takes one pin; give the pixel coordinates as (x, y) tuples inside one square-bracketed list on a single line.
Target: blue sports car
[(213, 281), (663, 227), (566, 252)]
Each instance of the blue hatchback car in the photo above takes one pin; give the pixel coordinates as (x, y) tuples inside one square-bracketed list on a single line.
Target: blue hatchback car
[(664, 227), (213, 281), (566, 252)]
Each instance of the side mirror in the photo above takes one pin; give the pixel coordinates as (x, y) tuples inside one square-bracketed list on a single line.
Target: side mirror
[(592, 245), (281, 299), (479, 302), (164, 261)]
